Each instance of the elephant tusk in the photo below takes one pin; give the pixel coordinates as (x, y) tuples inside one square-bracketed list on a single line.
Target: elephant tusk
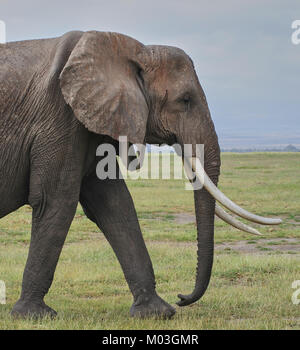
[(222, 214), (196, 165)]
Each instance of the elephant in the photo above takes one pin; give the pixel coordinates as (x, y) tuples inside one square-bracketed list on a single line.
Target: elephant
[(60, 98)]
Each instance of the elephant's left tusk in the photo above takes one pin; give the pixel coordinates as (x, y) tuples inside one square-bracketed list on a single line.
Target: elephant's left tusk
[(225, 201), (222, 214)]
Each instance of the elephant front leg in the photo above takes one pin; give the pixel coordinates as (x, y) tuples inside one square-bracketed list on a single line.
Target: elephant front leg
[(109, 204)]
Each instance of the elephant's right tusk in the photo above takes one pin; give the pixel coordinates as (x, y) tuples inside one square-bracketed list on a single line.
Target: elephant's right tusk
[(220, 197), (222, 214)]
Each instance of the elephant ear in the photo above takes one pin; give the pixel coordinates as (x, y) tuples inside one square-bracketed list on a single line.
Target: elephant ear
[(101, 83)]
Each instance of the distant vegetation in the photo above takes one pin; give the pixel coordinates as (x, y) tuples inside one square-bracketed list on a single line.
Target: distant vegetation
[(289, 148)]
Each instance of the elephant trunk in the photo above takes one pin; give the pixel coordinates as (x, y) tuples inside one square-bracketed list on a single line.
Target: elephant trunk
[(205, 215), (205, 210)]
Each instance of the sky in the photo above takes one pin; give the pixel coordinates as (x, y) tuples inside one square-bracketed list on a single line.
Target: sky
[(243, 52)]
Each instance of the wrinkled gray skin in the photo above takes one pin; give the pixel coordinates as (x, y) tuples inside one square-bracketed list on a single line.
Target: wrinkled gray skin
[(59, 99)]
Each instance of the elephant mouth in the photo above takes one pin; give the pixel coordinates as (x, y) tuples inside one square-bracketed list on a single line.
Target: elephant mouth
[(169, 140)]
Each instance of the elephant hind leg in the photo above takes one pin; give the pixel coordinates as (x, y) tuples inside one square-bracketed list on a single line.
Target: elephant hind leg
[(54, 196), (48, 235)]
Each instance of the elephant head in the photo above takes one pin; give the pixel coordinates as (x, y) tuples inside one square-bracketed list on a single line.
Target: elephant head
[(117, 86)]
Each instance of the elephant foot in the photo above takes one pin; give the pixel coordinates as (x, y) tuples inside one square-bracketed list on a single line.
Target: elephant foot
[(151, 306), (24, 309)]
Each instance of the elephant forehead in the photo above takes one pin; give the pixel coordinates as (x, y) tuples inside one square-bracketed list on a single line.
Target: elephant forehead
[(170, 57)]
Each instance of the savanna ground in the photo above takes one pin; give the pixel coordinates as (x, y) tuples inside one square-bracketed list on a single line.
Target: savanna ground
[(251, 284)]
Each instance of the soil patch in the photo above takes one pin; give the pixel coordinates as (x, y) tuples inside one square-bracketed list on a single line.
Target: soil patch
[(184, 218), (259, 246), (262, 245)]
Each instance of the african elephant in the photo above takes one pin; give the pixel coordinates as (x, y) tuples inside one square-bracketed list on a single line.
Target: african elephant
[(60, 99)]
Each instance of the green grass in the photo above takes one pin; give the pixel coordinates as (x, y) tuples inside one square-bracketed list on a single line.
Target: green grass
[(247, 290)]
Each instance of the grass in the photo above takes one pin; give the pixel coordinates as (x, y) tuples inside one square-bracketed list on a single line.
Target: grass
[(247, 290)]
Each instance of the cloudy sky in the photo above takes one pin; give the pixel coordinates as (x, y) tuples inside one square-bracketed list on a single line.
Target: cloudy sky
[(242, 50)]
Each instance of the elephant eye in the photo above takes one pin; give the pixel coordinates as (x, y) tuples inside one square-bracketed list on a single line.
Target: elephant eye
[(186, 100)]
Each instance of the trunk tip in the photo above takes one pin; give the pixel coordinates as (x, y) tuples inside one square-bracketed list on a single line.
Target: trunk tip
[(186, 299)]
